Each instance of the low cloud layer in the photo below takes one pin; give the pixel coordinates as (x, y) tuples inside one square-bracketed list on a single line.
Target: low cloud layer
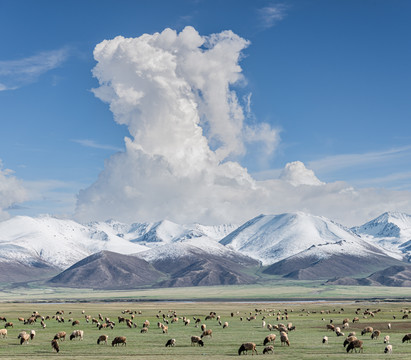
[(175, 93)]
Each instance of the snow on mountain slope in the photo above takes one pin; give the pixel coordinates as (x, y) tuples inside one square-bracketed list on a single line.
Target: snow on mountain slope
[(58, 242), (164, 232), (391, 230), (271, 238)]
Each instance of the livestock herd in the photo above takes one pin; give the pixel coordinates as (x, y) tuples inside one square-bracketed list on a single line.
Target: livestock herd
[(167, 321)]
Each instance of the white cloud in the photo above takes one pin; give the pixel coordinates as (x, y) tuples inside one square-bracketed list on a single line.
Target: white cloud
[(297, 174), (271, 15), (17, 73), (93, 144), (175, 94), (12, 191)]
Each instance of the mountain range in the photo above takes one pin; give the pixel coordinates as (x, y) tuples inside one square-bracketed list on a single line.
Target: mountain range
[(113, 255)]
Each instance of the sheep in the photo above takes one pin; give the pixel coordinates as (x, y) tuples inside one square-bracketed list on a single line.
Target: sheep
[(269, 338), (24, 339), (388, 349), (43, 324), (144, 330), (21, 319), (119, 340), (208, 332), (165, 329), (203, 327), (284, 339), (8, 324), (325, 340), (74, 323), (247, 346), (77, 334), (386, 339), (375, 334), (330, 327), (171, 342), (225, 325), (3, 333), (187, 322), (268, 349), (146, 324), (348, 340), (356, 319), (60, 336), (354, 345), (366, 330), (55, 345), (32, 334), (406, 338), (101, 339), (196, 340), (263, 324)]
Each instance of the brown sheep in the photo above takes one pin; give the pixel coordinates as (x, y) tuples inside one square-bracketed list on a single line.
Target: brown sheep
[(354, 345), (203, 327), (225, 325), (24, 339), (366, 330), (77, 334), (119, 340), (356, 319), (348, 340), (375, 334), (247, 346), (284, 339), (74, 323), (3, 333), (146, 324), (144, 330), (32, 334), (8, 324), (101, 339), (196, 340), (330, 327), (171, 342), (269, 338), (406, 338), (55, 345), (60, 336), (208, 332), (165, 329), (268, 349)]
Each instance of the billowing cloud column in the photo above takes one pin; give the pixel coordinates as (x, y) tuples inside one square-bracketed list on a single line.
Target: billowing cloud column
[(173, 92)]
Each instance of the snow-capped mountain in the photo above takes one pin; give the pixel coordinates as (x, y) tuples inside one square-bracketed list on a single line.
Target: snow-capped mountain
[(272, 238), (297, 244), (60, 243), (391, 230)]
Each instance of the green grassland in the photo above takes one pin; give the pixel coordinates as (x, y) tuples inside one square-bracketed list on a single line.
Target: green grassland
[(310, 319), (274, 291)]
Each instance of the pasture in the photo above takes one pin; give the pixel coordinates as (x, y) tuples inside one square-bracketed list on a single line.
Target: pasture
[(309, 318)]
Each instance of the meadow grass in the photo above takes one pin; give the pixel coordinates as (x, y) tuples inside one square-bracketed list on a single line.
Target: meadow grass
[(305, 340)]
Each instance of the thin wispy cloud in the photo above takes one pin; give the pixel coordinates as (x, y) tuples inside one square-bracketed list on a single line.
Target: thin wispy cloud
[(20, 72), (271, 15), (92, 144), (345, 161)]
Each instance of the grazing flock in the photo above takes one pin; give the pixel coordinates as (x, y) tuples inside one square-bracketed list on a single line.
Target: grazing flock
[(337, 329)]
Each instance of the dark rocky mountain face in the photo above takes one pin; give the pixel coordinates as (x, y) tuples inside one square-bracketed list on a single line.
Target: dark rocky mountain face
[(108, 270)]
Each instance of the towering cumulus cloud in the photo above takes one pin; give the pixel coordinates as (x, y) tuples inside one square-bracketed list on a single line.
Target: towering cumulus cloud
[(174, 92)]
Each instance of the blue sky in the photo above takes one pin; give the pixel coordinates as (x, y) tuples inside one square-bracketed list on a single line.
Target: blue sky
[(331, 78)]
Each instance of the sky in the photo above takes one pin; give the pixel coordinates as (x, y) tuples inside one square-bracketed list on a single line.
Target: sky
[(205, 111)]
